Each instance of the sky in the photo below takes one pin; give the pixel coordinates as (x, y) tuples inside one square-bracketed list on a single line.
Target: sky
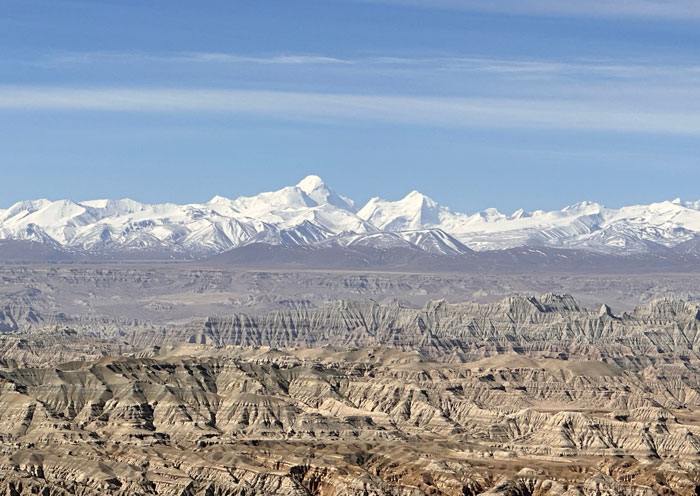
[(511, 104)]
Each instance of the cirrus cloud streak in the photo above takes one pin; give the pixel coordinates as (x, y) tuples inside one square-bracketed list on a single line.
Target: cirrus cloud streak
[(342, 107), (648, 9)]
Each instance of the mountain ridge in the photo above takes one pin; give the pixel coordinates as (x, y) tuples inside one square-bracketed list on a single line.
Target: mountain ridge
[(312, 214)]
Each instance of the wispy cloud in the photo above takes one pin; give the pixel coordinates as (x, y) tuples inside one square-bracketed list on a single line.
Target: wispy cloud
[(275, 59), (79, 58), (502, 66), (655, 9), (636, 82), (422, 111)]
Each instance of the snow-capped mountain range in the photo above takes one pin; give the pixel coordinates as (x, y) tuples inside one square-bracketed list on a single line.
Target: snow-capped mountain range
[(312, 214)]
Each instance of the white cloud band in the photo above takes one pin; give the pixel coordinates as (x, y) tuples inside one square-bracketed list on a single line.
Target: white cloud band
[(650, 9), (410, 110)]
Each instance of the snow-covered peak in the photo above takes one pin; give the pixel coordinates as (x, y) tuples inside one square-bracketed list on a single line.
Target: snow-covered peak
[(311, 183), (287, 198), (584, 206), (317, 190), (308, 202), (114, 207), (219, 199), (492, 215), (53, 213), (415, 211), (416, 197), (23, 208), (694, 205), (522, 214)]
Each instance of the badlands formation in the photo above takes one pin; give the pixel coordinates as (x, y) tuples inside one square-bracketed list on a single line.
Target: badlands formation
[(522, 395)]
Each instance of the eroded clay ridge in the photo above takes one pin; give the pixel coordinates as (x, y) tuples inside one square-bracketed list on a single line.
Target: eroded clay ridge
[(198, 420), (551, 325), (544, 326)]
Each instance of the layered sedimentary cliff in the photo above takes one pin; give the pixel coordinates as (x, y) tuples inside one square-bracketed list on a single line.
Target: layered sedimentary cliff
[(550, 325), (199, 420), (525, 396)]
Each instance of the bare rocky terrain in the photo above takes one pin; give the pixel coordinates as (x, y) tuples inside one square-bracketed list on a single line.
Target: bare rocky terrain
[(182, 379), (168, 292), (201, 420)]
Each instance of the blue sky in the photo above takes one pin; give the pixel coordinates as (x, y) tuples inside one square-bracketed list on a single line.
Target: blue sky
[(507, 104)]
